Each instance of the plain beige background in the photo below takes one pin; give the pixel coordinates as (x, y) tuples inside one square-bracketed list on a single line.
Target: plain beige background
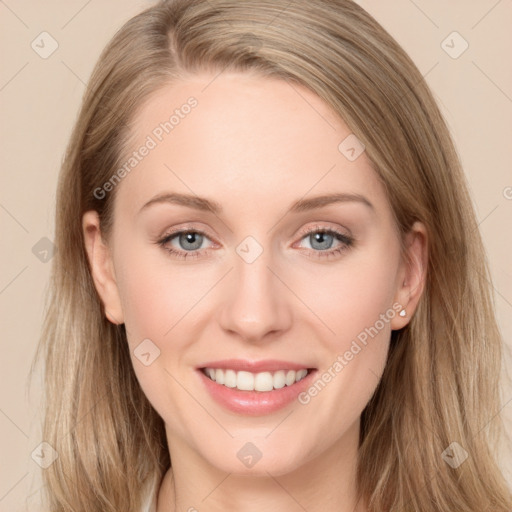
[(39, 99)]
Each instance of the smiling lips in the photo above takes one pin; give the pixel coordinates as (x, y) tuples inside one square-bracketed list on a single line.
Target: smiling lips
[(254, 388)]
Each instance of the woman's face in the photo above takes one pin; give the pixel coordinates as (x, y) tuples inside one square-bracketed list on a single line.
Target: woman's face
[(291, 261)]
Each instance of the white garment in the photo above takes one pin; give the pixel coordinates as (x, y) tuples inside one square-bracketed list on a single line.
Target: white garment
[(150, 503)]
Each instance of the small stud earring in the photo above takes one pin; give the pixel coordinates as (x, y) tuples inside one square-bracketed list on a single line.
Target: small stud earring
[(402, 313)]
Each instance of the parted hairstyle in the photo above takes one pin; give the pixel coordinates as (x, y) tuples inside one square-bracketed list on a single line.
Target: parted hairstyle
[(441, 381)]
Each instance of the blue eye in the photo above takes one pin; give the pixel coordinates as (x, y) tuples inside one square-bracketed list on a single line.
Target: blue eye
[(193, 239), (324, 239), (320, 239), (190, 240)]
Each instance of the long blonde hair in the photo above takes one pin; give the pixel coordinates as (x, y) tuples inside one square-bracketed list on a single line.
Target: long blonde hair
[(441, 382)]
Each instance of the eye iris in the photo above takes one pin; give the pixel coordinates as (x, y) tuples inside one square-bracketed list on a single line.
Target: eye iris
[(193, 238), (320, 237)]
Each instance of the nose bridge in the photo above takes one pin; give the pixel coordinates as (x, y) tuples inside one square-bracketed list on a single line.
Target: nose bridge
[(257, 303)]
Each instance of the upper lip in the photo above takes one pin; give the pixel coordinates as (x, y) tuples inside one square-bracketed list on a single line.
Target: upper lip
[(266, 365)]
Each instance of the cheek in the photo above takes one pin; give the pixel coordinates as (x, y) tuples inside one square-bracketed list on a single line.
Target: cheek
[(157, 299), (155, 293), (352, 296), (356, 306)]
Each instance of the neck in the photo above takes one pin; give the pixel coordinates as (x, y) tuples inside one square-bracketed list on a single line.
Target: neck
[(326, 482)]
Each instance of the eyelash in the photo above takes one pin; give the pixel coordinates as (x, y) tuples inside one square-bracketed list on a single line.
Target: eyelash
[(347, 242)]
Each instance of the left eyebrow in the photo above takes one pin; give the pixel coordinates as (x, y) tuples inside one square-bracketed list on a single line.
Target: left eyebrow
[(313, 203)]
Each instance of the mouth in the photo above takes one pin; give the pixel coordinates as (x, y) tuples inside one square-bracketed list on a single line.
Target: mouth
[(255, 388), (255, 381)]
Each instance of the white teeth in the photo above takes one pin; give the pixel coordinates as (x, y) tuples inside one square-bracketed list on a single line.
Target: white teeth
[(290, 377), (279, 379), (263, 381), (301, 374), (244, 381), (229, 378), (219, 376)]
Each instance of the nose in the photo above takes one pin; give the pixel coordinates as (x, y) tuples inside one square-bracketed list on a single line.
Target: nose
[(257, 302)]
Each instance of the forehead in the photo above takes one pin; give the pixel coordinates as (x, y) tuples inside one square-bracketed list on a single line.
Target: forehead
[(247, 140)]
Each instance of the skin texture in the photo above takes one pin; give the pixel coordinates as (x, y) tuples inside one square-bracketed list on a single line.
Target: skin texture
[(255, 145)]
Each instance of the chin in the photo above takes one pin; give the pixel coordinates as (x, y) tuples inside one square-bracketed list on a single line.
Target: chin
[(257, 458)]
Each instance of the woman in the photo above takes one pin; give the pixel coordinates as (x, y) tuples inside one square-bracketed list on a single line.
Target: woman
[(294, 145)]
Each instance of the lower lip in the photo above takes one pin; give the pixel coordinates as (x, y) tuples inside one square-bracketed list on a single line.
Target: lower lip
[(255, 403)]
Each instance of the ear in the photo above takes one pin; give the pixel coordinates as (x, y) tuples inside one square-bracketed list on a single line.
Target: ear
[(102, 267), (412, 275)]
